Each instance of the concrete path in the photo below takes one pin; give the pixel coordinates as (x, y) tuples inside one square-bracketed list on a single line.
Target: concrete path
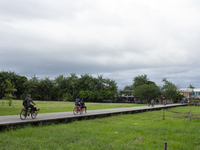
[(15, 119)]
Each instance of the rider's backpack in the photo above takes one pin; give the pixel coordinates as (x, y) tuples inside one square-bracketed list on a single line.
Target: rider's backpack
[(24, 102)]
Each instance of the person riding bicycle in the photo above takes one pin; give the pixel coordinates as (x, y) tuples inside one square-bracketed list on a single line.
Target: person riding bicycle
[(149, 102), (29, 101), (152, 103), (164, 102), (83, 105), (77, 101)]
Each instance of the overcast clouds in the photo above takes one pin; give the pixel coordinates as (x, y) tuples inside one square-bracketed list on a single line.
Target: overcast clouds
[(120, 39)]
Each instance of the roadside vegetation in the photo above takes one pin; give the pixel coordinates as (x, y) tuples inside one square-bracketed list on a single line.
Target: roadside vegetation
[(57, 106), (142, 131), (62, 88), (88, 87)]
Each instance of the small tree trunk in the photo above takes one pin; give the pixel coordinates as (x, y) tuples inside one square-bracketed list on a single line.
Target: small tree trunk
[(163, 114), (10, 102)]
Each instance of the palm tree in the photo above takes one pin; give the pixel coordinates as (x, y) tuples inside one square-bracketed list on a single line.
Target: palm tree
[(9, 88), (191, 87), (47, 86), (101, 81), (32, 87), (112, 85), (73, 79), (59, 82)]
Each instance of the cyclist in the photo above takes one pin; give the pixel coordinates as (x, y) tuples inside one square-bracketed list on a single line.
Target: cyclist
[(29, 101), (149, 102), (152, 103), (77, 101), (83, 105), (164, 102)]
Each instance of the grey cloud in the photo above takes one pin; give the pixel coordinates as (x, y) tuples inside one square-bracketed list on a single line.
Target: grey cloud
[(35, 9), (120, 41)]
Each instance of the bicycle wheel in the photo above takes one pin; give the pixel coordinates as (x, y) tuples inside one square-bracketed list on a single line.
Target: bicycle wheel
[(81, 111), (23, 114), (33, 115), (75, 111)]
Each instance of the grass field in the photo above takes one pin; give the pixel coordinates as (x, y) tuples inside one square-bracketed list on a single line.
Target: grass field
[(142, 131), (55, 106)]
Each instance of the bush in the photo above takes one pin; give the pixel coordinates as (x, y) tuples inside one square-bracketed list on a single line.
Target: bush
[(68, 97)]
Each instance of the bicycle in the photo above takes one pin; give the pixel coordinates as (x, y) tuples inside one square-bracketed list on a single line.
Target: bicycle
[(78, 109), (26, 112)]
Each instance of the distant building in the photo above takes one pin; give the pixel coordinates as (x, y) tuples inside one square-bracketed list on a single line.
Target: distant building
[(127, 95), (190, 93)]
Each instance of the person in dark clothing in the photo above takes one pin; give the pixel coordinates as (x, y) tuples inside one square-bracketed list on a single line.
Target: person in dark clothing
[(164, 102), (149, 102), (29, 101), (77, 101), (83, 105)]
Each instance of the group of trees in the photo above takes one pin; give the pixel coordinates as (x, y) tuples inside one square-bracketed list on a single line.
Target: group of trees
[(61, 88), (67, 88), (146, 89)]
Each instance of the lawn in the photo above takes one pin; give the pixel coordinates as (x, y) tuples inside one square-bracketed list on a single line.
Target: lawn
[(142, 131), (57, 106)]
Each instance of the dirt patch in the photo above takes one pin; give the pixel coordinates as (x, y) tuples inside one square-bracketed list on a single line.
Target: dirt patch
[(88, 141), (139, 140)]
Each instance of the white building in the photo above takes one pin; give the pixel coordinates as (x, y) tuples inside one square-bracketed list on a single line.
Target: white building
[(190, 93)]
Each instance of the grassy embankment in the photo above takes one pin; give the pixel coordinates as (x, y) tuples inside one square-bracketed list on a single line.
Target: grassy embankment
[(55, 106), (142, 131)]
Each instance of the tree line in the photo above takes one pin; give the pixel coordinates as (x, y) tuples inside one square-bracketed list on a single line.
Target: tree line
[(144, 88), (65, 88), (93, 89)]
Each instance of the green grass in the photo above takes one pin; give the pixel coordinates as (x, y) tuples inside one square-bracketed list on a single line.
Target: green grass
[(55, 106), (142, 131)]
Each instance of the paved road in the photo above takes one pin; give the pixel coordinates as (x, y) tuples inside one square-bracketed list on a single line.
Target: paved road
[(52, 116)]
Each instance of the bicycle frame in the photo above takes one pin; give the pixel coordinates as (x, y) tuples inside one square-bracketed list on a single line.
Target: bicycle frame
[(78, 109), (26, 112)]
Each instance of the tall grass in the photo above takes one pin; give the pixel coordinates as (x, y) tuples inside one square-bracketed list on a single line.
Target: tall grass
[(142, 131)]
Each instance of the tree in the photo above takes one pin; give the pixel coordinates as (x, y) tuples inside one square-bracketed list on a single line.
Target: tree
[(20, 86), (140, 80), (73, 82), (15, 79), (87, 94), (111, 85), (108, 94), (144, 88), (128, 87), (59, 82), (192, 88), (147, 91), (32, 87), (100, 82), (169, 90), (46, 88), (10, 89), (68, 97), (59, 88), (178, 97)]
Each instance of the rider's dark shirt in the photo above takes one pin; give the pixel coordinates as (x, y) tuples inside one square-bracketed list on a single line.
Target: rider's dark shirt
[(82, 103), (77, 101), (28, 101)]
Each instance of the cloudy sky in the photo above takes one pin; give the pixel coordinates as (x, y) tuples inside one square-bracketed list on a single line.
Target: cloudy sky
[(119, 39)]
